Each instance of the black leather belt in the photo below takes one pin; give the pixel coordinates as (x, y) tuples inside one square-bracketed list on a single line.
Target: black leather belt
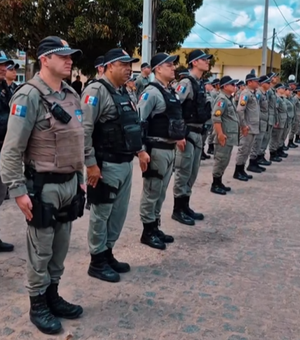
[(47, 177), (162, 145), (114, 157), (195, 129)]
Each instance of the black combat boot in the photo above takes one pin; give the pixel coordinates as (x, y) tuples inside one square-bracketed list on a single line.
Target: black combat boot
[(259, 166), (274, 157), (204, 156), (297, 139), (244, 173), (7, 195), (59, 307), (262, 161), (119, 267), (190, 212), (292, 145), (100, 269), (227, 189), (281, 153), (179, 213), (285, 148), (6, 247), (41, 316), (150, 237), (216, 186), (211, 149), (253, 167), (238, 174), (162, 236)]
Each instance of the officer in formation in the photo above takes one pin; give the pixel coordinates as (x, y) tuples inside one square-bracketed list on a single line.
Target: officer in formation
[(226, 128), (131, 89), (184, 72), (262, 98), (11, 77), (160, 107), (196, 111), (295, 130), (98, 64), (248, 110), (240, 87), (113, 135), (276, 145), (290, 115), (45, 125), (5, 96), (143, 79), (207, 134)]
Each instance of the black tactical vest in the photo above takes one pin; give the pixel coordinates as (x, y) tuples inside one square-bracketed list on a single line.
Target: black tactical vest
[(196, 110), (5, 96), (168, 124), (122, 134)]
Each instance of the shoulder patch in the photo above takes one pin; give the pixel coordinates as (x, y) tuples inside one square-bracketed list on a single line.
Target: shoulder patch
[(258, 95), (218, 113), (78, 114), (221, 103), (89, 100), (180, 89), (19, 110), (144, 96)]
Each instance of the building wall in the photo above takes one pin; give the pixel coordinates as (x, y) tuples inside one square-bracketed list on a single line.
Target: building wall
[(236, 72)]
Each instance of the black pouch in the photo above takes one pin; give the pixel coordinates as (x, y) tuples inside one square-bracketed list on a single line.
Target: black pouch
[(133, 137), (101, 194), (42, 214), (177, 129)]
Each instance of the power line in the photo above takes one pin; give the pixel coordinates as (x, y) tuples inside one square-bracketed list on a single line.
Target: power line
[(285, 18)]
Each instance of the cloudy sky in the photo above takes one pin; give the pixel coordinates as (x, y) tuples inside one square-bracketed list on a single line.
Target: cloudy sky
[(241, 22)]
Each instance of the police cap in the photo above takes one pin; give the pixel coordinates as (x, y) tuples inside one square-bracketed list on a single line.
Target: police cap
[(227, 80), (215, 82), (99, 61), (184, 72), (161, 58), (251, 77), (198, 54), (13, 67), (279, 86), (145, 65), (56, 45), (264, 79), (4, 60), (118, 54)]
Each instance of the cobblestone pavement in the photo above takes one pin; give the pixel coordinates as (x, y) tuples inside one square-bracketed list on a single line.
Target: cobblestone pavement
[(233, 276)]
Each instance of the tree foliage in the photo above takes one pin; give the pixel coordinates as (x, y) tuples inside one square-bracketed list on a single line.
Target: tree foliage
[(95, 26), (288, 45)]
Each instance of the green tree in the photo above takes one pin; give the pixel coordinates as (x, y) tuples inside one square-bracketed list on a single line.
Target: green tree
[(94, 26), (287, 45)]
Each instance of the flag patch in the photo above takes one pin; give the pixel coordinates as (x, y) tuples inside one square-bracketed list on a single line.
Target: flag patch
[(19, 110), (245, 98), (180, 89), (144, 96), (78, 114), (91, 100), (221, 104)]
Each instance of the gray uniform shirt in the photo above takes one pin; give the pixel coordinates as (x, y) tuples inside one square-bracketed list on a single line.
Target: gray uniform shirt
[(224, 112), (140, 83), (273, 117), (290, 108), (97, 105), (296, 101), (152, 103), (281, 110), (248, 110), (262, 98)]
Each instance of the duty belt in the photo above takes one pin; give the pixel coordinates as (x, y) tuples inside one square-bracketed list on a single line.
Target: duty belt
[(114, 157), (161, 145), (195, 129)]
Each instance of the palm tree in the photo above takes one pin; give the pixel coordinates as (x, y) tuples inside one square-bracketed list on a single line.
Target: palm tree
[(288, 44)]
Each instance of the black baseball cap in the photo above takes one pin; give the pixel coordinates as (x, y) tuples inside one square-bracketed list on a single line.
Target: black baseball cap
[(56, 45), (145, 65), (272, 75), (99, 61), (264, 79), (240, 83), (198, 54), (279, 86), (13, 67), (206, 81), (252, 77), (118, 54), (292, 82), (161, 58), (184, 72), (297, 89), (4, 59), (227, 80), (215, 82)]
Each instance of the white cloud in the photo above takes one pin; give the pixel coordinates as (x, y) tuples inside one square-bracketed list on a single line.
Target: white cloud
[(242, 20)]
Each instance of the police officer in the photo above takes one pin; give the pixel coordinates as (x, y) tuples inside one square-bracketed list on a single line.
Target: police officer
[(272, 120), (262, 98), (5, 96), (11, 76), (182, 73), (276, 150), (112, 137), (98, 64), (196, 111), (143, 79), (296, 123), (226, 127), (240, 86), (45, 125), (160, 107), (290, 115), (131, 89), (248, 111), (208, 127), (216, 88), (213, 95)]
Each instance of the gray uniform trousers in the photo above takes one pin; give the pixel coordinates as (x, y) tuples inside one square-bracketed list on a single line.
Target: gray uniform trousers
[(107, 219), (187, 165), (222, 156), (258, 139), (276, 138), (154, 189), (47, 248), (244, 149), (295, 127), (3, 190), (266, 139), (211, 135), (287, 130)]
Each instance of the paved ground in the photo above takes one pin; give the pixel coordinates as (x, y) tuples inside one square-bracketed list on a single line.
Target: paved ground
[(234, 276)]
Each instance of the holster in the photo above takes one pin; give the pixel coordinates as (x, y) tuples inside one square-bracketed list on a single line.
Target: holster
[(101, 194), (151, 173), (42, 213)]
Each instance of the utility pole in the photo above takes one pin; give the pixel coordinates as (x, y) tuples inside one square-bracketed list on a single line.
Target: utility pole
[(265, 40), (297, 66), (272, 52), (154, 26), (147, 30)]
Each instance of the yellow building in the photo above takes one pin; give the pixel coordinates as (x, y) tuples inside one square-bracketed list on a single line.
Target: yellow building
[(235, 62)]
